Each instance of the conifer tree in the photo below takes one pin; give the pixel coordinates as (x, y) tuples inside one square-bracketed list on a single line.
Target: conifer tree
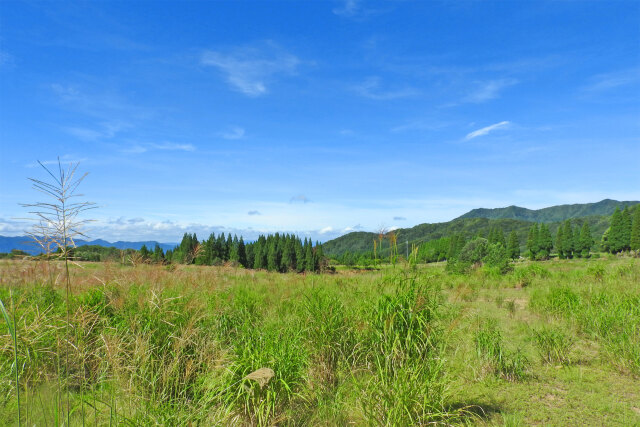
[(513, 248), (615, 235), (272, 255), (500, 237), (560, 242), (586, 241), (309, 263), (145, 253), (545, 242), (228, 246), (299, 255), (242, 253), (158, 254), (532, 241), (568, 239), (234, 256), (626, 229), (286, 262), (634, 241)]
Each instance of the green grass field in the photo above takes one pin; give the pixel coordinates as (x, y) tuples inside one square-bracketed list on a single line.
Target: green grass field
[(551, 343)]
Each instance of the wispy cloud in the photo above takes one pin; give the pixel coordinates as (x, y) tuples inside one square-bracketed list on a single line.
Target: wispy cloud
[(348, 8), (64, 160), (104, 130), (615, 79), (486, 91), (250, 69), (252, 213), (300, 198), (399, 218), (421, 125), (138, 148), (485, 130), (6, 59), (235, 132), (372, 88)]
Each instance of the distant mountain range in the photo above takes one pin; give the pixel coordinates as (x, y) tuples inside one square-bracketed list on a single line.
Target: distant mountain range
[(480, 221), (26, 243), (551, 214)]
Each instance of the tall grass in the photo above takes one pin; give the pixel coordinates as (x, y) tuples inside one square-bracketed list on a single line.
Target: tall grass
[(509, 364), (604, 305)]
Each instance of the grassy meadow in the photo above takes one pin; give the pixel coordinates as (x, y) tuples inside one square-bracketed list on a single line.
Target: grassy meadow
[(551, 343)]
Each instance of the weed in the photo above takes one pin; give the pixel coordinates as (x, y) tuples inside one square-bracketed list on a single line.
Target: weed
[(553, 345), (511, 365)]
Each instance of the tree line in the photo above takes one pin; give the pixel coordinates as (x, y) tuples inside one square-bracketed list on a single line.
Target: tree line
[(274, 252)]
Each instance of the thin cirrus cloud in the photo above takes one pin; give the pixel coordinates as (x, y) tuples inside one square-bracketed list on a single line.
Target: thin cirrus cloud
[(166, 146), (399, 218), (250, 69), (489, 90), (348, 8), (485, 130), (252, 213), (607, 81), (372, 88), (236, 132)]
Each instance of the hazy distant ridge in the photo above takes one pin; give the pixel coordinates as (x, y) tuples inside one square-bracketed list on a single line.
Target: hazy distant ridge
[(25, 243)]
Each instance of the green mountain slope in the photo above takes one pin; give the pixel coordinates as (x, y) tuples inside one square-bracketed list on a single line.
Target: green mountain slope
[(551, 214), (360, 242)]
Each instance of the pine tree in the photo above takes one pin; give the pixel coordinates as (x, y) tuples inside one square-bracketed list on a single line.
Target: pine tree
[(145, 253), (299, 256), (626, 229), (513, 248), (242, 252), (234, 256), (545, 242), (615, 235), (158, 254), (533, 240), (560, 242), (286, 263), (272, 255), (309, 263), (586, 241), (500, 237), (568, 240), (634, 241)]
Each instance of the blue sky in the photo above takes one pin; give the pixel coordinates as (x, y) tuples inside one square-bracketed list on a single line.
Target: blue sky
[(317, 117)]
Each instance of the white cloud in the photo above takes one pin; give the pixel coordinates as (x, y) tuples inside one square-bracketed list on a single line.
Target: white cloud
[(489, 90), (250, 69), (235, 132), (372, 88), (326, 230), (486, 130)]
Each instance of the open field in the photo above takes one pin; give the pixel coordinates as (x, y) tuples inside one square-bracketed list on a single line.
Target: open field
[(551, 343)]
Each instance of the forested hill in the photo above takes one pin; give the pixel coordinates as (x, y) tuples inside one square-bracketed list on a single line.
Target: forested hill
[(360, 242), (550, 214)]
